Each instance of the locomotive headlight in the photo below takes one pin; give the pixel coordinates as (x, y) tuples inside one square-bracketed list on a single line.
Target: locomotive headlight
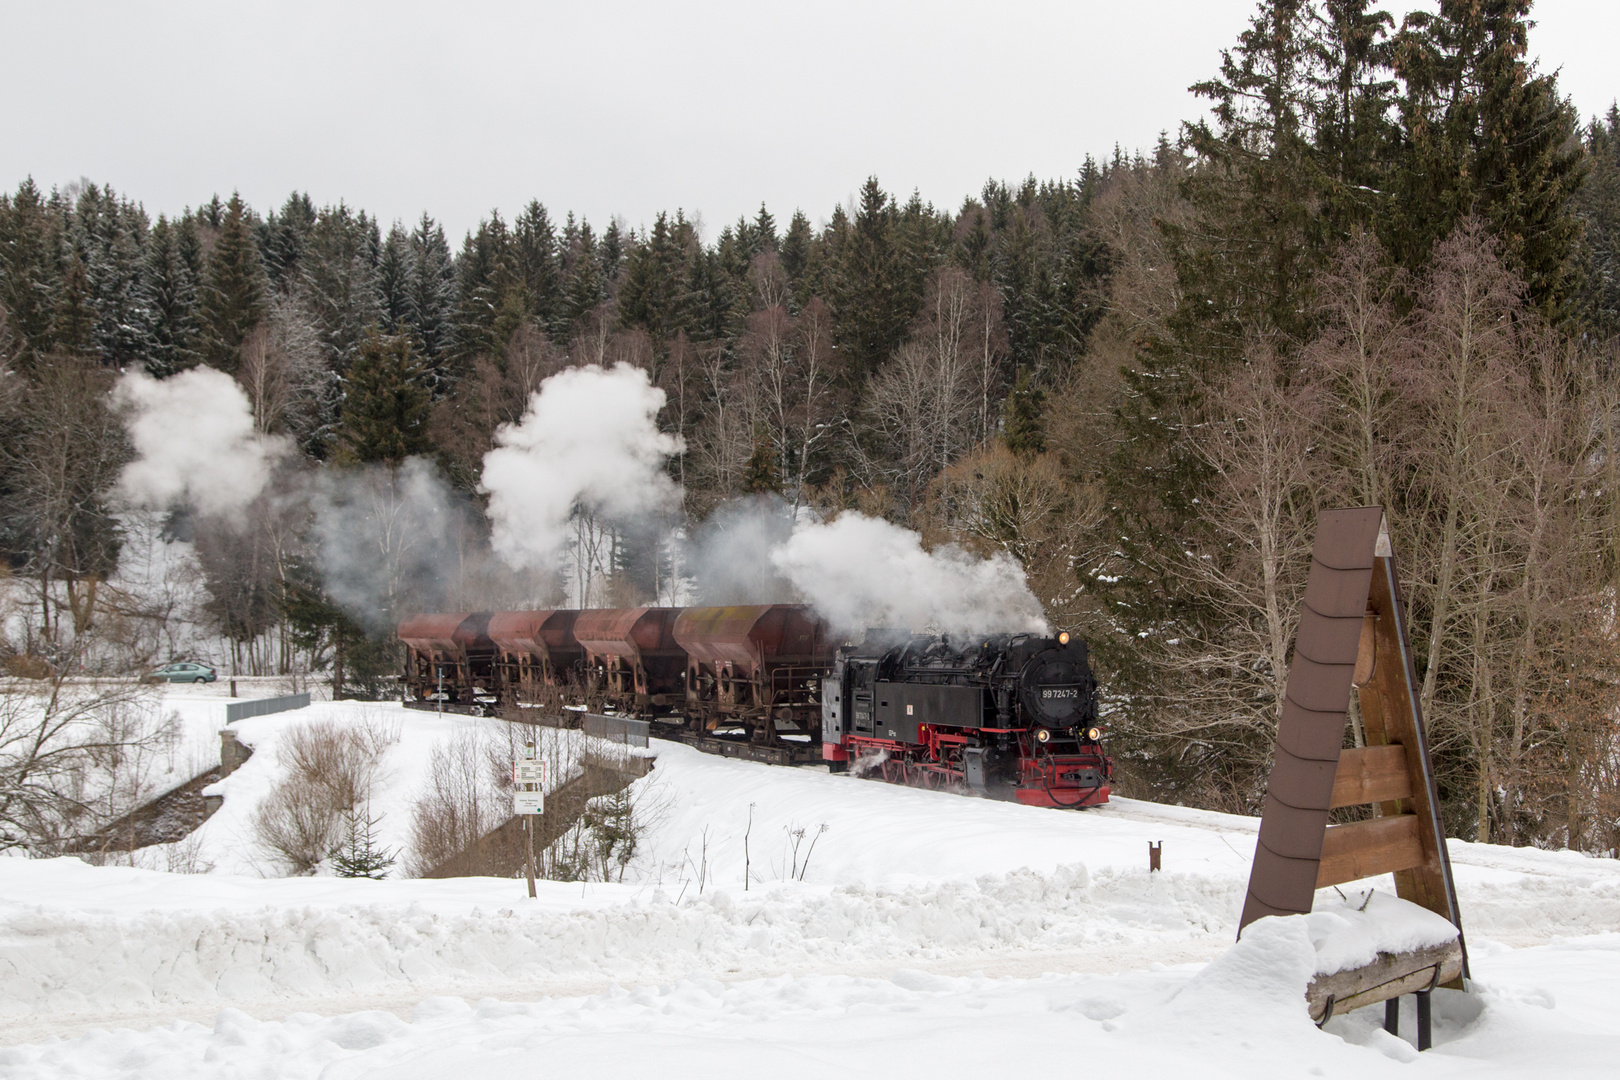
[(1063, 638), (1094, 734), (1043, 735)]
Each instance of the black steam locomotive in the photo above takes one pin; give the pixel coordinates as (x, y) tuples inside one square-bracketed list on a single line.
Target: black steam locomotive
[(1008, 716)]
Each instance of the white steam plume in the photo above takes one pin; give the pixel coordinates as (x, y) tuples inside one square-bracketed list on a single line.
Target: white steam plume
[(195, 441), (385, 537), (589, 438), (728, 556), (859, 571)]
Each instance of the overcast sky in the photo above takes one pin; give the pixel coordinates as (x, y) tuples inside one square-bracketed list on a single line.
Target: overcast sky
[(621, 108)]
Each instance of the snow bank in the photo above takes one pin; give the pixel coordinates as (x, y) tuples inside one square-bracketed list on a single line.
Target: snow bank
[(240, 941), (1542, 1012)]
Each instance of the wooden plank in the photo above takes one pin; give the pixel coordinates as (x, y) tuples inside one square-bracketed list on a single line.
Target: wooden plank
[(1368, 848), (1373, 774), (1396, 679), (1388, 976)]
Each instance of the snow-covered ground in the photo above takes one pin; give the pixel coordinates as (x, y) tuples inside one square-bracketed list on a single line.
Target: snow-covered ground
[(924, 934)]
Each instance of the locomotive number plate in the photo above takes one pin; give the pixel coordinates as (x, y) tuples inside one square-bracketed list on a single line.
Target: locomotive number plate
[(1050, 694)]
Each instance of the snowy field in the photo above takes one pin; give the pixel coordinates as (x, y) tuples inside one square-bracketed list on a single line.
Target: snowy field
[(924, 934)]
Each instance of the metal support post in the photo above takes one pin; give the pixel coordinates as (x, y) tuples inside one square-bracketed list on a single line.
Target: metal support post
[(528, 850), (1392, 1016), (1425, 1032)]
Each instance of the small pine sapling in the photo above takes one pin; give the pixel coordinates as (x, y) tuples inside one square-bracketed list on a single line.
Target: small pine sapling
[(361, 856)]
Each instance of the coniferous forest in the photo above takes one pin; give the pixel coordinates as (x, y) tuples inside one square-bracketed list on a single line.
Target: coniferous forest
[(1385, 269)]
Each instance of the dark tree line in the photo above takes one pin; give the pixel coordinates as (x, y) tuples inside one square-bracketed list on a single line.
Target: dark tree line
[(1099, 374)]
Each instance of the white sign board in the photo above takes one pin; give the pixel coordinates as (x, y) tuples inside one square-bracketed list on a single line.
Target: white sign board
[(528, 802), (529, 772)]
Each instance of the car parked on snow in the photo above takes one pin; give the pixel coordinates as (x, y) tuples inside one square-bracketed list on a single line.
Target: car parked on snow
[(183, 671)]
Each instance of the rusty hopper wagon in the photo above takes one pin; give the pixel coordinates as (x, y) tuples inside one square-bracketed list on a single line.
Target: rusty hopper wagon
[(450, 658), (632, 660), (538, 650), (759, 665)]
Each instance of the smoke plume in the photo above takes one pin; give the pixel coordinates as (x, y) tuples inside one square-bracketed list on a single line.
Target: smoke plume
[(196, 443), (589, 439), (385, 538), (728, 556), (859, 571)]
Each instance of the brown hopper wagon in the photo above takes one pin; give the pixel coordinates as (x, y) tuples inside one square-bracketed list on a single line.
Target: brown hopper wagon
[(632, 659), (449, 657), (759, 664), (537, 649)]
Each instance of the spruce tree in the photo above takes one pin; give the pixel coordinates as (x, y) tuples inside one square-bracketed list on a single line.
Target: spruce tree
[(386, 404), (173, 292), (1351, 103), (338, 280), (74, 319), (485, 273), (109, 235), (360, 856), (765, 229), (1598, 205), (282, 238), (394, 278), (868, 298), (1245, 265), (795, 252), (1486, 135), (1025, 429), (433, 299), (714, 306), (534, 247), (611, 252), (233, 296), (583, 290), (30, 271), (760, 475), (654, 291)]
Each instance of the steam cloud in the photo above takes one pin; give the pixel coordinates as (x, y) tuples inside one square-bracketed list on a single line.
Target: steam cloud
[(859, 571), (196, 442), (589, 438), (385, 537), (728, 557)]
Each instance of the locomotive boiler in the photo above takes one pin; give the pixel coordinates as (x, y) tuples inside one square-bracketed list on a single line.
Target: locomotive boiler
[(1007, 716)]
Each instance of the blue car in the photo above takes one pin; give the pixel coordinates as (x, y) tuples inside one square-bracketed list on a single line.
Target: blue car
[(183, 671)]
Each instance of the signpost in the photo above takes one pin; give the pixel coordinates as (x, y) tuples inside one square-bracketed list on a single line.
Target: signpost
[(528, 798)]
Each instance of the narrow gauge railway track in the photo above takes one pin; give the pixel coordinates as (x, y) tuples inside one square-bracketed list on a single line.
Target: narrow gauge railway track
[(736, 745)]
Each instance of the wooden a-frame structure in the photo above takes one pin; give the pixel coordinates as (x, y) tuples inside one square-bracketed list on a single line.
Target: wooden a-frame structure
[(1352, 635)]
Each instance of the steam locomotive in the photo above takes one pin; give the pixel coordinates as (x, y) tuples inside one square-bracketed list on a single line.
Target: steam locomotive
[(1010, 716)]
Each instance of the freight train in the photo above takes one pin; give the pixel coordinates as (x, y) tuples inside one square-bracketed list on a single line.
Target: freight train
[(1011, 716)]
